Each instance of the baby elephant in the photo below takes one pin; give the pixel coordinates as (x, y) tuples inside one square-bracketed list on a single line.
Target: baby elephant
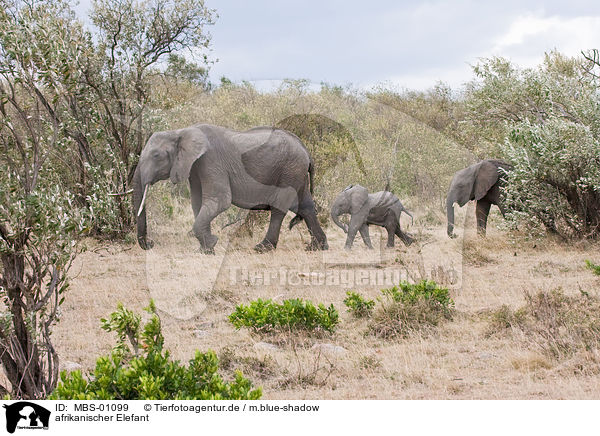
[(381, 209)]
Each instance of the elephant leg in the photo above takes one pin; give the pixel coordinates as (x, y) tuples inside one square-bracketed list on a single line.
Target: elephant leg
[(404, 237), (195, 194), (481, 213), (390, 226), (394, 228), (356, 222), (211, 207), (272, 236), (502, 209), (307, 210), (364, 232), (390, 241)]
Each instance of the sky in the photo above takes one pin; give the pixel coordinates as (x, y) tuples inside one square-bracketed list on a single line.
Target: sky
[(403, 44)]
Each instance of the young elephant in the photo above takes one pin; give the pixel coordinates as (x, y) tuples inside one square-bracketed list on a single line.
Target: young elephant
[(381, 209), (480, 182)]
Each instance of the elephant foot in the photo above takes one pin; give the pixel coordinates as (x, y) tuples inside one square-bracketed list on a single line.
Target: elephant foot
[(209, 251), (264, 246), (452, 235), (145, 243), (207, 244), (315, 245)]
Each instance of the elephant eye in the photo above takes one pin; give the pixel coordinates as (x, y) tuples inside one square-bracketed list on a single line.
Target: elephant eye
[(156, 154)]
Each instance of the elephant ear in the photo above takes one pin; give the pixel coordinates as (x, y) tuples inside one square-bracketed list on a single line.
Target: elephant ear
[(461, 187), (358, 198), (486, 177), (192, 144)]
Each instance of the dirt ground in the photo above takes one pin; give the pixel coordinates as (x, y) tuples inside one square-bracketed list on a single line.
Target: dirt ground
[(195, 293)]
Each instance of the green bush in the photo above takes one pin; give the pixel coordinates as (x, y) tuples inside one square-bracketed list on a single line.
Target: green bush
[(425, 290), (139, 369), (410, 307), (295, 314), (358, 306)]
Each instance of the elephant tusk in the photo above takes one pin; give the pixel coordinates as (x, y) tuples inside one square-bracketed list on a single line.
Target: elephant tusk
[(143, 201), (119, 194)]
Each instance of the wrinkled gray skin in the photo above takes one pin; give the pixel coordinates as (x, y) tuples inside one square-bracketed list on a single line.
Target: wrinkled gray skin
[(480, 182), (262, 168), (381, 209)]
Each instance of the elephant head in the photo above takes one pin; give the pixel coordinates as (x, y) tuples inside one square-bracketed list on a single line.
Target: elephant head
[(474, 183), (169, 154), (350, 200)]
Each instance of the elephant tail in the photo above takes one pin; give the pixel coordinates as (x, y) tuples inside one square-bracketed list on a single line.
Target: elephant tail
[(295, 221)]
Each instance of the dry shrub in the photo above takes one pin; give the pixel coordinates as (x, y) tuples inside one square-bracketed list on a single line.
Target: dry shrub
[(263, 367), (506, 318), (472, 255), (559, 326)]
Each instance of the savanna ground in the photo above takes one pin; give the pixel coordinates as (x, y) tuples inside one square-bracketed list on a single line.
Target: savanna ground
[(464, 358)]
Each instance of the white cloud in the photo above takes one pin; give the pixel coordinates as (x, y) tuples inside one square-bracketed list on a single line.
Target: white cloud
[(530, 36)]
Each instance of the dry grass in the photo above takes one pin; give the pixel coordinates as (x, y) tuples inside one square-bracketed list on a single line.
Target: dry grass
[(458, 359)]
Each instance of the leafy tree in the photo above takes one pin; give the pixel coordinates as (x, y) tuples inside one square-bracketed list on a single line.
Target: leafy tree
[(134, 37), (39, 220), (180, 69), (546, 122)]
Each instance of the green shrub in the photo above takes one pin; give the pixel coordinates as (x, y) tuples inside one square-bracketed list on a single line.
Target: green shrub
[(358, 306), (139, 369), (425, 290), (295, 314), (410, 307), (595, 268)]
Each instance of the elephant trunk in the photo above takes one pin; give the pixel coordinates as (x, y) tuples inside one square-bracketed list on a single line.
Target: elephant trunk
[(139, 209), (335, 216), (450, 213)]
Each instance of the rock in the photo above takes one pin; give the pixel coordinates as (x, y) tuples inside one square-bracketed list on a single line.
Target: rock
[(70, 366), (331, 349), (206, 325), (265, 346)]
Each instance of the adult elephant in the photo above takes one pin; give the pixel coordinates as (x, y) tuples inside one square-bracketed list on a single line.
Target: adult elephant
[(480, 182), (262, 168), (381, 209)]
